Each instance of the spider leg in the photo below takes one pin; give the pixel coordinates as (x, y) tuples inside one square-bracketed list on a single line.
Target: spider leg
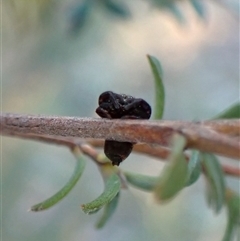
[(130, 117), (103, 113), (139, 109), (134, 104), (112, 97)]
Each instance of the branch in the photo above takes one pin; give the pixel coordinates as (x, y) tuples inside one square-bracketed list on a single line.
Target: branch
[(151, 150), (163, 153), (157, 151), (88, 149), (217, 136)]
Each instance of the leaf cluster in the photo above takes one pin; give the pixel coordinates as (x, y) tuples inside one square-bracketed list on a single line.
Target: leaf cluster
[(82, 11), (181, 171)]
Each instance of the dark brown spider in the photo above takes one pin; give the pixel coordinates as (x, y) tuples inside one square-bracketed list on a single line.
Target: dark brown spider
[(120, 106)]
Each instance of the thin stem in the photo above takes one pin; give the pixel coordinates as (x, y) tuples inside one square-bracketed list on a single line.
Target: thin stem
[(217, 136), (157, 151), (87, 148)]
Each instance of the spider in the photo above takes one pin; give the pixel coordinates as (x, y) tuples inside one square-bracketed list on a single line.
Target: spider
[(120, 106)]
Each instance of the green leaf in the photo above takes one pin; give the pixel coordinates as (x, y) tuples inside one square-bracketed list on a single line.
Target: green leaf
[(174, 175), (230, 113), (112, 188), (172, 7), (79, 14), (199, 7), (66, 189), (177, 13), (159, 88), (117, 8), (215, 181), (144, 182), (109, 209), (194, 168), (233, 205)]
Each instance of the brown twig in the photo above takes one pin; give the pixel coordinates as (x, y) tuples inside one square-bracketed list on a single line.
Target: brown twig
[(162, 153), (211, 136), (68, 142), (229, 170), (157, 151), (87, 148)]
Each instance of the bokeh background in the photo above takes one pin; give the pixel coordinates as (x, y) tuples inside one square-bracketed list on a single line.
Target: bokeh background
[(58, 56)]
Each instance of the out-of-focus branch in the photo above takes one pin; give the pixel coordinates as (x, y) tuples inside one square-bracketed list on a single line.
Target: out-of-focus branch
[(162, 153), (68, 142), (157, 151), (217, 136), (87, 147), (229, 170)]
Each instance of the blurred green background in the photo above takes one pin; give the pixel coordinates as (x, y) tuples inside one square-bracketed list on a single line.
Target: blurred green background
[(59, 56)]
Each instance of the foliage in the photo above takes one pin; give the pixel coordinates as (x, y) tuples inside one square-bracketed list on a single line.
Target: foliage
[(182, 168), (68, 186), (232, 112), (121, 9), (160, 93), (174, 175), (79, 13), (180, 171)]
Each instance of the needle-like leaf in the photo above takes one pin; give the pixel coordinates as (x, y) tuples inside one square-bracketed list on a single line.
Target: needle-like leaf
[(109, 210), (112, 188), (174, 175), (233, 205), (194, 168), (143, 182), (198, 5), (215, 181), (67, 188), (230, 113), (159, 87)]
